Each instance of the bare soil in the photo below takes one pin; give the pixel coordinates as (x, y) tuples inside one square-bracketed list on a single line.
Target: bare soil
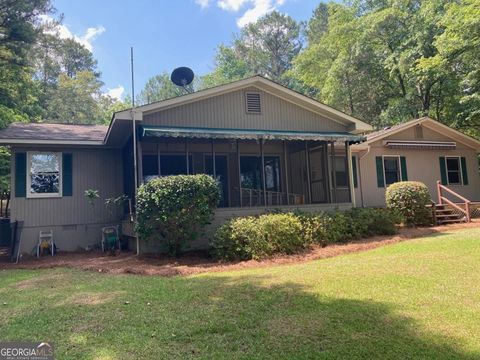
[(194, 263)]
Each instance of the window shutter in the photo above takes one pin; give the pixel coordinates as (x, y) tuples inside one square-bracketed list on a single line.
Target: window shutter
[(67, 181), (20, 174), (380, 177), (464, 170), (403, 167), (354, 171), (443, 170)]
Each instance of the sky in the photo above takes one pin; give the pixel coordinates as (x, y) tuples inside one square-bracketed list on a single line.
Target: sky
[(165, 34)]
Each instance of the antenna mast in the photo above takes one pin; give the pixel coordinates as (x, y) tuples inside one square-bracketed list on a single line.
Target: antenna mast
[(134, 140)]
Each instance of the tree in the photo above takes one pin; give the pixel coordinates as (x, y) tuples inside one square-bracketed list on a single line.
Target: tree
[(459, 53), (377, 60), (18, 33), (158, 88), (75, 100), (266, 47)]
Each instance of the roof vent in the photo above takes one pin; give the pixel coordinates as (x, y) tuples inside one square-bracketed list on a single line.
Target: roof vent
[(253, 103)]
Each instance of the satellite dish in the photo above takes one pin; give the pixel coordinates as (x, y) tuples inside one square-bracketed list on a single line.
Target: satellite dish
[(182, 76)]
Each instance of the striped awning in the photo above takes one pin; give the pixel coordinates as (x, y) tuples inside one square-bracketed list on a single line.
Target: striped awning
[(148, 131), (425, 145)]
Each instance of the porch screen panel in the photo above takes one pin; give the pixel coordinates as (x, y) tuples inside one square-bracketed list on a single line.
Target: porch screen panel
[(318, 176)]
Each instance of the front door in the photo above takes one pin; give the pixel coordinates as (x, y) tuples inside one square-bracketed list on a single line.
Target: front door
[(318, 176), (221, 169)]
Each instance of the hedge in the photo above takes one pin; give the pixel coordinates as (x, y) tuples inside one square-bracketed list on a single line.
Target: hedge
[(176, 209), (258, 237)]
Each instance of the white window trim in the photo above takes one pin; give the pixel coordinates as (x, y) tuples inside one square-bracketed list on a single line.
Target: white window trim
[(29, 179), (460, 169), (399, 168)]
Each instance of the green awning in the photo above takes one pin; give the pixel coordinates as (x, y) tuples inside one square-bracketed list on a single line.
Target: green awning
[(148, 131)]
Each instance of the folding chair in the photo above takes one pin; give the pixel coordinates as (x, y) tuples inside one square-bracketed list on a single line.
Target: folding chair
[(45, 241)]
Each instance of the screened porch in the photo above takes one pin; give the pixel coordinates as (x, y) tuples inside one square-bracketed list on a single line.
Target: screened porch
[(254, 168)]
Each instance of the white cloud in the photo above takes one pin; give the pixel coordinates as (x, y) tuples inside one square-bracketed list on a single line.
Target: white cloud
[(256, 8), (64, 32), (231, 5), (116, 92), (203, 3)]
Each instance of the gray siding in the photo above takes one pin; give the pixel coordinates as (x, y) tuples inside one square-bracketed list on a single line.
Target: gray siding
[(74, 220), (228, 111)]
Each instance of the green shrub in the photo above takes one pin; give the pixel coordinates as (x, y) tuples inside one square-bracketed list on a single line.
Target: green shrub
[(175, 209), (252, 237), (410, 200), (258, 237)]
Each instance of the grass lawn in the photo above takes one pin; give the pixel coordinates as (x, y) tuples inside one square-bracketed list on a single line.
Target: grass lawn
[(418, 299)]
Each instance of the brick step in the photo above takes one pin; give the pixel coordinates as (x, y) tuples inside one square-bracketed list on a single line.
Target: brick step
[(448, 215)]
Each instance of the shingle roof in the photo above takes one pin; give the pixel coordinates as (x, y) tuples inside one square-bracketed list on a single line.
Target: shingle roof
[(44, 131)]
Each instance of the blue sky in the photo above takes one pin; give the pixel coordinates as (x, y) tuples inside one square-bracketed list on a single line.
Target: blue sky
[(165, 33)]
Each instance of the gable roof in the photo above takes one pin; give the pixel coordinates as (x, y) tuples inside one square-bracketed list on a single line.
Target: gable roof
[(47, 133), (426, 121), (356, 126)]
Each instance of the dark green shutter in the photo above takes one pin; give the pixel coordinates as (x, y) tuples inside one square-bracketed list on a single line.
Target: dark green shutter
[(354, 171), (403, 167), (20, 174), (67, 183), (443, 170), (464, 171), (380, 177)]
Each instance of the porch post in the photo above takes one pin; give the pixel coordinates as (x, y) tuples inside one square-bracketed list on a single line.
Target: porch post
[(309, 182), (263, 174), (334, 172), (186, 156), (140, 162), (328, 171), (285, 154), (213, 161), (351, 187), (239, 174), (159, 162)]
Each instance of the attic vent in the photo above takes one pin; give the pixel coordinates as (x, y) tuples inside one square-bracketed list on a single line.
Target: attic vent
[(418, 132), (253, 104)]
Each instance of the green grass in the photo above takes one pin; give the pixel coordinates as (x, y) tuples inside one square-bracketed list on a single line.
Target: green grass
[(414, 300)]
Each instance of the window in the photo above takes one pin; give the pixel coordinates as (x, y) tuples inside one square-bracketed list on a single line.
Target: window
[(44, 177), (253, 103), (454, 175), (341, 171), (251, 176), (391, 166), (175, 165)]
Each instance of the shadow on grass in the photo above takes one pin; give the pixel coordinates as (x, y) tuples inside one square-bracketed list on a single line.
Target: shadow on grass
[(218, 317)]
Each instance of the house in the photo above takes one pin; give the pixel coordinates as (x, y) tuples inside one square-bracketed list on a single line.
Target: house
[(423, 150), (268, 146)]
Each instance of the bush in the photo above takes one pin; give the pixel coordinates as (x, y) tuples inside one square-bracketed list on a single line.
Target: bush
[(175, 209), (410, 200), (258, 237)]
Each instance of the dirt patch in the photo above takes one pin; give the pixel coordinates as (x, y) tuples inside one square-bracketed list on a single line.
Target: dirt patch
[(91, 298), (194, 263)]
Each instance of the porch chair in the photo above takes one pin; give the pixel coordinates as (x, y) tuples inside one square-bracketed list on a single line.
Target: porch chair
[(110, 238), (45, 242)]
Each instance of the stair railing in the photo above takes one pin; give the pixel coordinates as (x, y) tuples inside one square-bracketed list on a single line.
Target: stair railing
[(442, 199)]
